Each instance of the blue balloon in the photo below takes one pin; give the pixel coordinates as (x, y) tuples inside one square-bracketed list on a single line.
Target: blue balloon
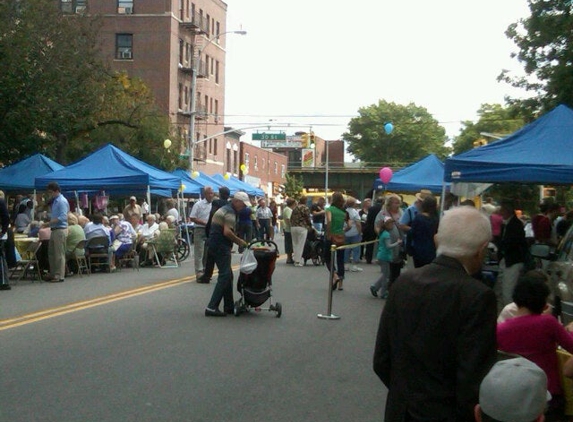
[(388, 128)]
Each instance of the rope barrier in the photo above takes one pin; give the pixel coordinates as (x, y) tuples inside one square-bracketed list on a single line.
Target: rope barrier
[(333, 248)]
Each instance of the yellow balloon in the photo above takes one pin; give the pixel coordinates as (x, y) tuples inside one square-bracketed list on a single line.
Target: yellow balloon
[(243, 167), (227, 176), (182, 187), (167, 143), (195, 175)]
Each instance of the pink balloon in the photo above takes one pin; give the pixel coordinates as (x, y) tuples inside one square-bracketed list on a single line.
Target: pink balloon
[(385, 174)]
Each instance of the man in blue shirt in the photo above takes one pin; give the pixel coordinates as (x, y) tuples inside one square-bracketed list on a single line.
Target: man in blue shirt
[(4, 223), (59, 227)]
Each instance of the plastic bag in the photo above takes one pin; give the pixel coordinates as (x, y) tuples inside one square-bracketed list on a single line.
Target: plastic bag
[(248, 262)]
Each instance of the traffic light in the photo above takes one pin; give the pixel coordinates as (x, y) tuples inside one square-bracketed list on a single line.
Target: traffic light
[(311, 139), (480, 142), (304, 140)]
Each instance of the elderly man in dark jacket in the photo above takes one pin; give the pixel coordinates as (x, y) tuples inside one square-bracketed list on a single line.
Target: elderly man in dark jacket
[(436, 340)]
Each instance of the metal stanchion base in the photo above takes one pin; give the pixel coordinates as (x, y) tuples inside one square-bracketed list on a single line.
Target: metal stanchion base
[(331, 316)]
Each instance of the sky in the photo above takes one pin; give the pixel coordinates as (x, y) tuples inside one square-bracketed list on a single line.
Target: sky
[(315, 63)]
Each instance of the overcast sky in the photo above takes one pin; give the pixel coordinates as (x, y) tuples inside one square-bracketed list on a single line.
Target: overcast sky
[(316, 62)]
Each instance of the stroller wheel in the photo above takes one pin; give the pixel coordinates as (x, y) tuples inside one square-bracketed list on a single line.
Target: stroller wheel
[(278, 309), (237, 309)]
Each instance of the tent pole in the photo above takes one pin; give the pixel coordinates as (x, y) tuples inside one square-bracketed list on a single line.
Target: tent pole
[(443, 199)]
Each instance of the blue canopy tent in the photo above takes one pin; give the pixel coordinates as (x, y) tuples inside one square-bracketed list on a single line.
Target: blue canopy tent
[(194, 187), (236, 185), (21, 176), (112, 170), (540, 152), (427, 173)]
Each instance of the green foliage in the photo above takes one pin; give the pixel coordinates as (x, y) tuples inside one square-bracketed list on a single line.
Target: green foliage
[(545, 42), (416, 134), (293, 185), (493, 119), (58, 96)]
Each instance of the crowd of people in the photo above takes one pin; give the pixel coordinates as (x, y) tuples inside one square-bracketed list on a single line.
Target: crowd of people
[(442, 327)]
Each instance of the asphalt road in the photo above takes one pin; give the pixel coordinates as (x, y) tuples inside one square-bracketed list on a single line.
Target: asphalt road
[(135, 346)]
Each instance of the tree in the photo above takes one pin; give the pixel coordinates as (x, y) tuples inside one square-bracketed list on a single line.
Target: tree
[(415, 135), (545, 43), (293, 186), (494, 119), (51, 80), (58, 96)]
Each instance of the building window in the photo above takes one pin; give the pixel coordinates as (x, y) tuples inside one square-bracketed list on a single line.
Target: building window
[(235, 161), (124, 46), (180, 98), (228, 164), (217, 72), (73, 6), (276, 168), (256, 163), (283, 171), (246, 159), (206, 65), (125, 7), (215, 147), (186, 90), (217, 31)]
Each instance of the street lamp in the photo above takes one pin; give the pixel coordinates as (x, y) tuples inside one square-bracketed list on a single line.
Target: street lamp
[(193, 105)]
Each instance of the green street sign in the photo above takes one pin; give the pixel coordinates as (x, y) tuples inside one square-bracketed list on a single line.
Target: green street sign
[(269, 136)]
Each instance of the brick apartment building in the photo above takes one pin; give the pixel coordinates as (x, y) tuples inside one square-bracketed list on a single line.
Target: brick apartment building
[(159, 42)]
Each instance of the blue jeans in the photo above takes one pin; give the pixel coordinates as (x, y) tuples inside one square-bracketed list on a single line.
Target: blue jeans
[(224, 287), (354, 251), (265, 229)]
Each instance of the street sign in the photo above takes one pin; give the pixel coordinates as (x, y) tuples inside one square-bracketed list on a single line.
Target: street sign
[(269, 136)]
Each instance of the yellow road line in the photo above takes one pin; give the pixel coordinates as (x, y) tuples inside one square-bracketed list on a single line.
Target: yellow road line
[(6, 324), (86, 304)]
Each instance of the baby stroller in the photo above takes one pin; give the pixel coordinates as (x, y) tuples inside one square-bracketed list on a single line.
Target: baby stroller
[(314, 247), (256, 288)]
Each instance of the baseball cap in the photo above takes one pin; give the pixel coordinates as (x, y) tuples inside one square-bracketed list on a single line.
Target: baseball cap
[(514, 390), (243, 197), (114, 216), (133, 198)]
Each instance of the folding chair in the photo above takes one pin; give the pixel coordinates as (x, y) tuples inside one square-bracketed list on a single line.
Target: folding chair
[(28, 263), (165, 249), (98, 253), (130, 257), (81, 260)]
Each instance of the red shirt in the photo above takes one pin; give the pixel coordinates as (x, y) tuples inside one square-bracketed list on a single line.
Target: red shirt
[(541, 226), (536, 337)]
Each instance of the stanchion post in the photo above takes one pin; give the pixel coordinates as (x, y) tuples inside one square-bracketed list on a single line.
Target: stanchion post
[(329, 314)]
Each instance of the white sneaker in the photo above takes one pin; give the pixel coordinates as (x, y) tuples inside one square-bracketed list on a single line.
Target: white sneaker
[(355, 269), (298, 264)]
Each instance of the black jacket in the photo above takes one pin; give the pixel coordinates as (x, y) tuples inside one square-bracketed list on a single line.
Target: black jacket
[(436, 341), (513, 246)]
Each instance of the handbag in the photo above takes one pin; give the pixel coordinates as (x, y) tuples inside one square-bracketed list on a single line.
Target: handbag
[(248, 262), (116, 245), (338, 239)]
